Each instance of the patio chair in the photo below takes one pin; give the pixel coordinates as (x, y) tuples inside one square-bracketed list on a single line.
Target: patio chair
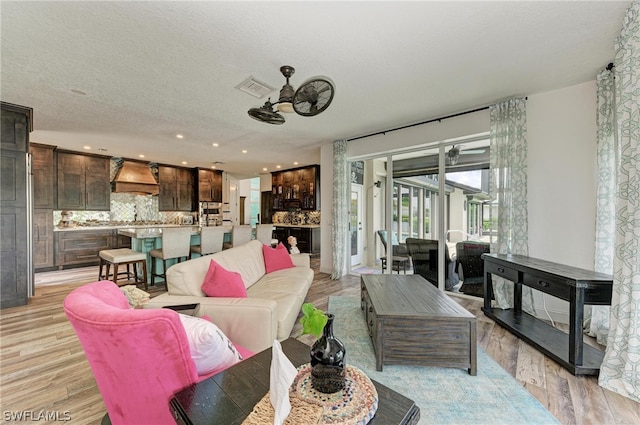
[(424, 256), (397, 250), (469, 257)]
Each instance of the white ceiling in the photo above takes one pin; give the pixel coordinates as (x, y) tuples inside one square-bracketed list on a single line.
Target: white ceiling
[(151, 70)]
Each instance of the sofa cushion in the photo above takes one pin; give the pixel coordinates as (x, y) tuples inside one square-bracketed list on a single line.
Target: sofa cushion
[(220, 282), (276, 258), (211, 350)]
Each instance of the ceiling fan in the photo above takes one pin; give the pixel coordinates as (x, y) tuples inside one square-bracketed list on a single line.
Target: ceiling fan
[(312, 97), (454, 153)]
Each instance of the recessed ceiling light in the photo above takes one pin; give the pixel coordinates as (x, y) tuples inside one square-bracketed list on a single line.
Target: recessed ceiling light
[(87, 147), (179, 136), (215, 145), (295, 163), (264, 169), (244, 151), (213, 166), (140, 156), (277, 166), (184, 162)]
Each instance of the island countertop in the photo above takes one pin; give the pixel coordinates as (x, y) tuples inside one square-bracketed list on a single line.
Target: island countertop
[(156, 232), (304, 226)]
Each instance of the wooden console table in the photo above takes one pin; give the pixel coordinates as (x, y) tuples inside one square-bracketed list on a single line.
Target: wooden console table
[(572, 284)]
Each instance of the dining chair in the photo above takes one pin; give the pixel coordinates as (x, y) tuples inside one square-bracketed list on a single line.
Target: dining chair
[(211, 240), (176, 242)]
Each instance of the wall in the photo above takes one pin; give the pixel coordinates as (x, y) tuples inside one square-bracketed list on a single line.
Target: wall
[(562, 179), (561, 127)]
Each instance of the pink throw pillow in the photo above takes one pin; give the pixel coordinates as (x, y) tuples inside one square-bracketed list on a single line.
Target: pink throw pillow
[(276, 258), (220, 282)]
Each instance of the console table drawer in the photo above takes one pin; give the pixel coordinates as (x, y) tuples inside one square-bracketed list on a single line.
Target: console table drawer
[(548, 284), (505, 272)]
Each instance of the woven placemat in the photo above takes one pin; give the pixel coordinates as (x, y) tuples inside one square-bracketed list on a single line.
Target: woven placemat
[(301, 413), (356, 404)]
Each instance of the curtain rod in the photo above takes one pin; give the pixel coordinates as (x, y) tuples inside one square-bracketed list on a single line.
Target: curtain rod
[(418, 123), (421, 123)]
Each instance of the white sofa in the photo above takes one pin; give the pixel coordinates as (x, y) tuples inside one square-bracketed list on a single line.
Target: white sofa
[(273, 300)]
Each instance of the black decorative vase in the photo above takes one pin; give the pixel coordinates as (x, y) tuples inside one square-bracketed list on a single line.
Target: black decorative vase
[(328, 361)]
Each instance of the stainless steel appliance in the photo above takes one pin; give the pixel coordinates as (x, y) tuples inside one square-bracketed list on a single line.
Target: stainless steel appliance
[(211, 213)]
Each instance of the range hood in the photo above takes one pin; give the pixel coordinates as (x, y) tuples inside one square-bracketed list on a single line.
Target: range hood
[(135, 177)]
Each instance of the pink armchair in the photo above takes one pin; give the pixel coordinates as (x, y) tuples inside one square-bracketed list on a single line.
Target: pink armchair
[(140, 358)]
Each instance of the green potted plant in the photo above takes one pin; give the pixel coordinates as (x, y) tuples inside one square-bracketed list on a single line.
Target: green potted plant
[(327, 353)]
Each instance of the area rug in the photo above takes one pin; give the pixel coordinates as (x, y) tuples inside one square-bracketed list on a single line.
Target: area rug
[(444, 395)]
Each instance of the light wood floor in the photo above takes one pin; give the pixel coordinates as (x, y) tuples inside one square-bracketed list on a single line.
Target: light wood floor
[(43, 367)]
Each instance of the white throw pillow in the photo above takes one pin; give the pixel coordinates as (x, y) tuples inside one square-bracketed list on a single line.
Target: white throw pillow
[(210, 348)]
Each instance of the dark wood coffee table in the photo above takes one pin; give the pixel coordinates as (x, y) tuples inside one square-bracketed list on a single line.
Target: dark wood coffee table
[(410, 321), (228, 397)]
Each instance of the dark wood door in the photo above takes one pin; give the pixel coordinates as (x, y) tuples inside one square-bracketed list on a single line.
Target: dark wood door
[(167, 188), (184, 189), (14, 130), (216, 186), (205, 186), (71, 182), (97, 187), (43, 255), (43, 171), (15, 270)]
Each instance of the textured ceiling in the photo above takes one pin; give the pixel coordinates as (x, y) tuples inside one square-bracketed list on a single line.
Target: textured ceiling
[(151, 70)]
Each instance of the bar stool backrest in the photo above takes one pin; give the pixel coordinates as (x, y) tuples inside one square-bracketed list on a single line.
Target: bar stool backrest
[(211, 239), (264, 233), (176, 242), (240, 235)]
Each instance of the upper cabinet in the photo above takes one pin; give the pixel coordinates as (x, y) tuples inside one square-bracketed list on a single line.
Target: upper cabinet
[(296, 188), (209, 184), (83, 182), (44, 176), (176, 188)]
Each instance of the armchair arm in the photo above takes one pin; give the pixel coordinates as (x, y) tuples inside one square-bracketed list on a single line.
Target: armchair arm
[(250, 322)]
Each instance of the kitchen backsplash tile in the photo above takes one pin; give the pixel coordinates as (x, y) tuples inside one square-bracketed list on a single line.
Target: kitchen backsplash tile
[(126, 207)]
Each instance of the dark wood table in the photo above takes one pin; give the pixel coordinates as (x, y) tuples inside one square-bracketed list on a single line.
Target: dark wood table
[(228, 397), (572, 284), (410, 321)]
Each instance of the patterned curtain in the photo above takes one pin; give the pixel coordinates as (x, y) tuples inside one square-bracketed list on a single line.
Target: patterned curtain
[(606, 194), (508, 186), (620, 370), (340, 213)]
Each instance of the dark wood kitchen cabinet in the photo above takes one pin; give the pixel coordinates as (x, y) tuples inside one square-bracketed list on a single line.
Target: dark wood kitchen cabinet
[(176, 189), (81, 246), (296, 188), (43, 253), (83, 182), (209, 185), (308, 237), (43, 170), (16, 272)]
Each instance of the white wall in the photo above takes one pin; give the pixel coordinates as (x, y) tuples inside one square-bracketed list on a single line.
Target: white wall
[(561, 127)]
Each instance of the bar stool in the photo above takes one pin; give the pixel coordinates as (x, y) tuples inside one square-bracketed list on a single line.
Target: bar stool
[(264, 233), (123, 256), (239, 235), (176, 242), (211, 239)]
